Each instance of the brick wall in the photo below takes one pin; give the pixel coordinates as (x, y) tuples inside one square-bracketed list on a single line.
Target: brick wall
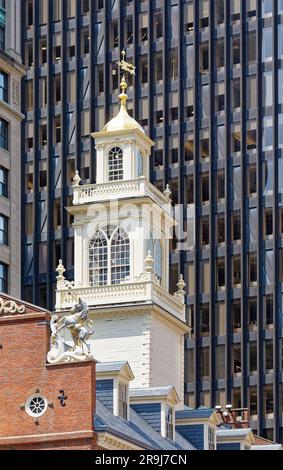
[(24, 341)]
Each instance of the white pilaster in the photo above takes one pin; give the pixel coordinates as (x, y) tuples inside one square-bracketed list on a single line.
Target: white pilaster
[(80, 253)]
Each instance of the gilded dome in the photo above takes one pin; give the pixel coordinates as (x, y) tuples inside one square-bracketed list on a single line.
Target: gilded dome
[(123, 121)]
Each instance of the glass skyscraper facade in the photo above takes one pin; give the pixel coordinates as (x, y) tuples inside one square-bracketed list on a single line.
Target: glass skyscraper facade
[(209, 91)]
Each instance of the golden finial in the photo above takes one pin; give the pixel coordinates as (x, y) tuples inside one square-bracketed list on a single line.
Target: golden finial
[(128, 68)]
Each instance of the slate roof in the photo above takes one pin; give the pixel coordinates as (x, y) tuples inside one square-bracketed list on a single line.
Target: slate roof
[(233, 432), (189, 413), (110, 366), (136, 430), (151, 392), (105, 421), (182, 443)]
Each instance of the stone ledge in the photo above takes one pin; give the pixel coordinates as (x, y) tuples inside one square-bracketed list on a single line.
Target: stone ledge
[(30, 439)]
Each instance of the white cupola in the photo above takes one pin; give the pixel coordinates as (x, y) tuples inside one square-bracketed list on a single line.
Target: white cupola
[(123, 149), (122, 230)]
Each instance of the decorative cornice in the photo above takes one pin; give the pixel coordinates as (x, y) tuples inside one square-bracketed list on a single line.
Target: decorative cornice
[(9, 307), (109, 441), (121, 134)]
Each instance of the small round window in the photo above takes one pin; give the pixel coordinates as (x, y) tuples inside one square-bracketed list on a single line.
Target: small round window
[(36, 406)]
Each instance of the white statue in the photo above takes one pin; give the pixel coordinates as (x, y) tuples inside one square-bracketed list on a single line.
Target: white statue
[(81, 329)]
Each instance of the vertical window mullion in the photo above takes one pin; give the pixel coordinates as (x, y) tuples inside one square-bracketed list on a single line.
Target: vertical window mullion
[(109, 251)]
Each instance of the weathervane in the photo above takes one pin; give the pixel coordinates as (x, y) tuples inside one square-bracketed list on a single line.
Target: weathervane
[(126, 66)]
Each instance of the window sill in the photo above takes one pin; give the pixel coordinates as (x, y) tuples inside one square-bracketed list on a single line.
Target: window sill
[(221, 288), (254, 417)]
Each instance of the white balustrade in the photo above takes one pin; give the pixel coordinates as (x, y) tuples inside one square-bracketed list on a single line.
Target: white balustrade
[(130, 292), (92, 193)]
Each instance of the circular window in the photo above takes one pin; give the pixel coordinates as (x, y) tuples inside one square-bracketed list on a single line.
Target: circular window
[(36, 406)]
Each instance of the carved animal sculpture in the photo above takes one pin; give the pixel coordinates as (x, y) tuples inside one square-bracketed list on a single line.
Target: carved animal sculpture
[(78, 324)]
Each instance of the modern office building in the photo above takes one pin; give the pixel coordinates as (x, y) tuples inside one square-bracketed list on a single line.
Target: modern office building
[(11, 72), (209, 92)]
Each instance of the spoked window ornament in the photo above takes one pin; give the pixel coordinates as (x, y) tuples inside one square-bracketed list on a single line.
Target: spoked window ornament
[(36, 406)]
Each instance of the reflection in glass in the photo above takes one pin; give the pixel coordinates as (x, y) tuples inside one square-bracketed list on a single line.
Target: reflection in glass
[(280, 86), (174, 22), (251, 52), (205, 101), (237, 183), (56, 173), (280, 41), (267, 136), (190, 58), (268, 267), (99, 39), (266, 44), (220, 143), (280, 131), (267, 85), (266, 8), (114, 6), (252, 224), (267, 178), (71, 127), (173, 60), (191, 226), (280, 175), (28, 259), (281, 322)]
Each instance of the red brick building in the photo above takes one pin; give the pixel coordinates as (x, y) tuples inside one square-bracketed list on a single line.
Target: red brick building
[(42, 406)]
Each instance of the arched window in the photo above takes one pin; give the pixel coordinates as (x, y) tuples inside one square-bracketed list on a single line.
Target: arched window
[(109, 257), (120, 256), (154, 246), (98, 260), (115, 164)]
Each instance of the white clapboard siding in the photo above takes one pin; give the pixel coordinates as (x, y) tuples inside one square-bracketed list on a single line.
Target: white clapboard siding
[(123, 339), (167, 355)]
